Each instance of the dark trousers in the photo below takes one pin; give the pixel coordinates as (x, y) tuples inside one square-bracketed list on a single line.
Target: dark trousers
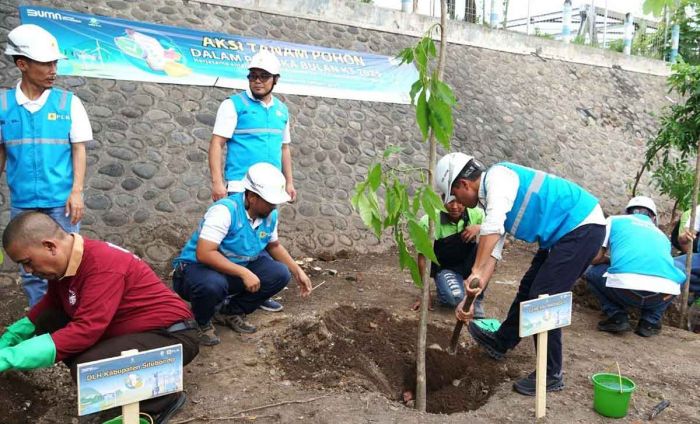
[(552, 271), (53, 320), (207, 289)]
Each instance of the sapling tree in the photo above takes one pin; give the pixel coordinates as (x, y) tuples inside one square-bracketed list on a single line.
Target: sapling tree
[(407, 191)]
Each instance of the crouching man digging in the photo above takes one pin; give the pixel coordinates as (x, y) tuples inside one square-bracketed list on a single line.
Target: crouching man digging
[(564, 219), (234, 261), (101, 300)]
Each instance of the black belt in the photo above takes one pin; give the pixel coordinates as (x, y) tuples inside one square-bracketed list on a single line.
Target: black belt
[(637, 295), (190, 324)]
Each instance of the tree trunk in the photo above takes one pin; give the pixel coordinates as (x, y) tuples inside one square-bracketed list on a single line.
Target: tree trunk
[(689, 257), (421, 392)]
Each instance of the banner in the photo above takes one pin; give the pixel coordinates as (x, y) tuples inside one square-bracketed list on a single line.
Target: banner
[(122, 380), (103, 47)]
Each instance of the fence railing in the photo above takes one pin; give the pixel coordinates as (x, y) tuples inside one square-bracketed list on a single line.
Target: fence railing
[(584, 23)]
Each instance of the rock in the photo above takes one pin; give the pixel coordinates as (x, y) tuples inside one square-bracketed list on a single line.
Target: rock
[(250, 362), (373, 325), (435, 346), (332, 271), (456, 382)]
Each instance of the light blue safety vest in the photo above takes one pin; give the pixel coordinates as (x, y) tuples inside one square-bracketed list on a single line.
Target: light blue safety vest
[(257, 137), (37, 145), (242, 243), (546, 207), (637, 246)]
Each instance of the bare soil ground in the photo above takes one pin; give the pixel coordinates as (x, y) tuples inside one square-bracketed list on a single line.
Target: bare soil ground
[(346, 354)]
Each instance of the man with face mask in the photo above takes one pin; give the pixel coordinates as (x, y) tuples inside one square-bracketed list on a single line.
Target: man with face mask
[(43, 131), (234, 261), (254, 127)]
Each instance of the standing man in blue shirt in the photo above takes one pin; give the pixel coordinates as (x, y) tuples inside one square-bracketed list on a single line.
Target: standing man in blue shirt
[(534, 206), (638, 270), (43, 131), (253, 125)]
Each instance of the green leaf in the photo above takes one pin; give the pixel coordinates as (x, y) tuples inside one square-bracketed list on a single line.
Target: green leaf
[(406, 260), (440, 118), (415, 89), (434, 199), (406, 55), (364, 208), (444, 91), (428, 206), (422, 115), (375, 177), (430, 47), (421, 240)]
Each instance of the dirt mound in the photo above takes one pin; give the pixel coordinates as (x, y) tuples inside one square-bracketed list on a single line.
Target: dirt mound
[(370, 349), (21, 399)]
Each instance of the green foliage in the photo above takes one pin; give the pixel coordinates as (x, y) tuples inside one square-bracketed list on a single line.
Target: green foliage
[(407, 195), (677, 139), (675, 180), (617, 45), (539, 33), (432, 98), (685, 14)]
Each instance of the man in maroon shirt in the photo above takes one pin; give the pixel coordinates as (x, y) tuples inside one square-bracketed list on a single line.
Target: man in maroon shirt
[(101, 300)]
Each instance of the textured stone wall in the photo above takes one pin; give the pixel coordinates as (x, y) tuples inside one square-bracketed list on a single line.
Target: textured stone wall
[(148, 181)]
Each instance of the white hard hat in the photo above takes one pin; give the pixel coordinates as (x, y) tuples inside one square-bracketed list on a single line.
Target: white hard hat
[(643, 202), (265, 60), (268, 182), (34, 42), (451, 166)]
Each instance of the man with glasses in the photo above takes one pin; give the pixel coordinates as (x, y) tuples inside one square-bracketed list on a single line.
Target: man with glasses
[(254, 127), (564, 219), (234, 261), (638, 271), (43, 131)]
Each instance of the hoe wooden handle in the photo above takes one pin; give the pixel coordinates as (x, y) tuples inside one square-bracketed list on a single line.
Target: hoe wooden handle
[(458, 327)]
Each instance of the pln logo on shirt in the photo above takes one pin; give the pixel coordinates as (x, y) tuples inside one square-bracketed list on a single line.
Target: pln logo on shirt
[(52, 116), (263, 234)]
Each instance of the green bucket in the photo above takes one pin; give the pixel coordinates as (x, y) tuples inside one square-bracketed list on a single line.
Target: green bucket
[(119, 420), (608, 398)]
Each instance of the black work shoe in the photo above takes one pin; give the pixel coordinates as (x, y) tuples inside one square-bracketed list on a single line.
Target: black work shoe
[(617, 323), (528, 386), (647, 329), (487, 340), (236, 323)]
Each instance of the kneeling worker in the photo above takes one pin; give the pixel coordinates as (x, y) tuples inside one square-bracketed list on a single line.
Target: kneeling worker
[(234, 261), (101, 300), (639, 272), (455, 248)]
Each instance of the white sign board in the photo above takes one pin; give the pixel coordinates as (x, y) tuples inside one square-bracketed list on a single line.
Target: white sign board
[(544, 314), (123, 380)]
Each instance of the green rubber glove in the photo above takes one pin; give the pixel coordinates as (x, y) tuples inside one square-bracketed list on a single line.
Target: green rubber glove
[(37, 352), (19, 331)]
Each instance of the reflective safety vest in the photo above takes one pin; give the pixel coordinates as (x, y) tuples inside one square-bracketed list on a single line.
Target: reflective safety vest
[(257, 137), (546, 207), (637, 246), (243, 243), (38, 150)]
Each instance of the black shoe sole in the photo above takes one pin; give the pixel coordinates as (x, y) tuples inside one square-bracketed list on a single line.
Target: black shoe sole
[(615, 329), (475, 332)]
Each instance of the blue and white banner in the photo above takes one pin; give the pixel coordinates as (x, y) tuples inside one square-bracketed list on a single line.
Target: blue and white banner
[(122, 380), (103, 47)]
